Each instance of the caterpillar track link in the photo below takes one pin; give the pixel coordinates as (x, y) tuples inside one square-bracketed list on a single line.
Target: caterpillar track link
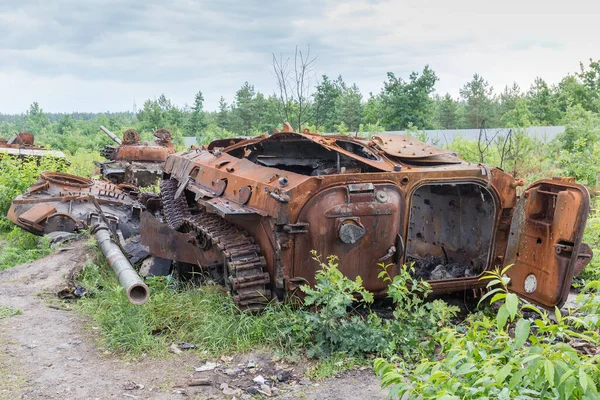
[(175, 209), (243, 267)]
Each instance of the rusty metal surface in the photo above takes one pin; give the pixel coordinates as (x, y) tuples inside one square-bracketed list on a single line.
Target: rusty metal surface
[(64, 202), (131, 136), (545, 240), (21, 145), (222, 249), (404, 146), (365, 203), (135, 162), (142, 152)]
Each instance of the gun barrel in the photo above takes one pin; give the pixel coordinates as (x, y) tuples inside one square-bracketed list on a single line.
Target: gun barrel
[(136, 290), (111, 135)]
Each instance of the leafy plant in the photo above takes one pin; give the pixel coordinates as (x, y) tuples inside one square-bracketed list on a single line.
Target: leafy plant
[(415, 320), (336, 326), (487, 360), (510, 307)]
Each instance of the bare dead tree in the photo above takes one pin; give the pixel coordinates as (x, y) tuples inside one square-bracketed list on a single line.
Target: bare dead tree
[(294, 83), (484, 142), (506, 147), (281, 69)]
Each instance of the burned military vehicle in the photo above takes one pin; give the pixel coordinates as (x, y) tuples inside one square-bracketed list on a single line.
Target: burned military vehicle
[(135, 162), (60, 202), (250, 213), (22, 145)]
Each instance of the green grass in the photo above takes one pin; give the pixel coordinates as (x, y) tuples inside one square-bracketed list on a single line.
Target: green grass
[(6, 312), (333, 365), (20, 247), (176, 312)]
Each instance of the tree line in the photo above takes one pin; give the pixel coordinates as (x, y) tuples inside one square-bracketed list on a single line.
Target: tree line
[(327, 104)]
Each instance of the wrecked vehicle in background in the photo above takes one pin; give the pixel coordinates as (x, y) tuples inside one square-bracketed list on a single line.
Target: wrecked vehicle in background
[(60, 202), (134, 162), (59, 205), (248, 212), (21, 145)]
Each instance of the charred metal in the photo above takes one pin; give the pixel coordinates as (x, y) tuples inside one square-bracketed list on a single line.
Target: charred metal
[(249, 211), (70, 203), (135, 162)]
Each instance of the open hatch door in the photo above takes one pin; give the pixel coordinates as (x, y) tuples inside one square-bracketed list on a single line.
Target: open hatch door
[(545, 241)]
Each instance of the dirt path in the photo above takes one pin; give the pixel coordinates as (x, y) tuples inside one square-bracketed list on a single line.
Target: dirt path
[(47, 354)]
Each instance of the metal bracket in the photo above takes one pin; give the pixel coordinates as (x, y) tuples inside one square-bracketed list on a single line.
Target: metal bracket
[(95, 218), (300, 227), (182, 185), (391, 251)]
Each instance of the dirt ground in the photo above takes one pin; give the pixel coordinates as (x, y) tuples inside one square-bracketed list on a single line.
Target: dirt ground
[(47, 353)]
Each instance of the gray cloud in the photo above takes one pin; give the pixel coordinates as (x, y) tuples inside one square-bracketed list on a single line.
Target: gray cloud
[(99, 54)]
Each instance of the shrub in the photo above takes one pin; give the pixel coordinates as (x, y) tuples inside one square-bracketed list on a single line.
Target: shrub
[(335, 326), (489, 360)]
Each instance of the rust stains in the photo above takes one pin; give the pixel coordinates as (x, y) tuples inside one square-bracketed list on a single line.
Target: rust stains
[(389, 199)]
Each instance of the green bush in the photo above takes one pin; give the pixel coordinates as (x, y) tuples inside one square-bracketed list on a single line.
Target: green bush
[(415, 321), (335, 326), (20, 247), (489, 358), (16, 176)]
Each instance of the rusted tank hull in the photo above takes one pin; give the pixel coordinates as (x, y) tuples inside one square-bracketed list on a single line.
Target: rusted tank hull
[(62, 202), (141, 174), (134, 162), (364, 203), (21, 146)]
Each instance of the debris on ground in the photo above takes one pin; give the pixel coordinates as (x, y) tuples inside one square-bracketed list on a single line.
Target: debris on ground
[(283, 376), (133, 386), (209, 366), (266, 390), (60, 237), (186, 345), (227, 391), (173, 348), (199, 382), (73, 292), (233, 372)]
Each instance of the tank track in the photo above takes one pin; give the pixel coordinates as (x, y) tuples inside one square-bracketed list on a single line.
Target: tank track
[(175, 209), (245, 268)]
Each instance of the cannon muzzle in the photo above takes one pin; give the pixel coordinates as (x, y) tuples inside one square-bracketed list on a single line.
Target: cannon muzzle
[(136, 290)]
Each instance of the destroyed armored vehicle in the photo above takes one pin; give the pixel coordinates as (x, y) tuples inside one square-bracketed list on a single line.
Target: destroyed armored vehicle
[(21, 145), (134, 162), (60, 202), (249, 214)]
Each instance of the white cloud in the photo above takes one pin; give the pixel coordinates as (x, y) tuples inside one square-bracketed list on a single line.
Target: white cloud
[(99, 55)]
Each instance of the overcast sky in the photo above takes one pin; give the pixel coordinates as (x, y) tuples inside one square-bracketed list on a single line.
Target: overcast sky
[(99, 55)]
